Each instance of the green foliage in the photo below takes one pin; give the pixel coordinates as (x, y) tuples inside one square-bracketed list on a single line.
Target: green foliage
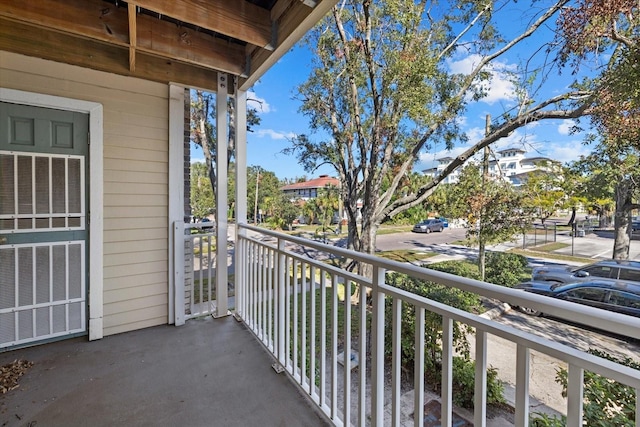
[(606, 402), (539, 419), (282, 212), (545, 190), (201, 197), (464, 383), (433, 322), (494, 211), (459, 268), (506, 269), (463, 368)]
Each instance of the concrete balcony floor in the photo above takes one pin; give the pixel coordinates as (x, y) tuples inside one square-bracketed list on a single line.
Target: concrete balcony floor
[(209, 372)]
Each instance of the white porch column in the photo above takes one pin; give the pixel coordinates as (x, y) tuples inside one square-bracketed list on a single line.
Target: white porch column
[(241, 196), (222, 135), (176, 203)]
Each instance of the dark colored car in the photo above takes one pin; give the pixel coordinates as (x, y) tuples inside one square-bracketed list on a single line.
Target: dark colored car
[(428, 225), (608, 269), (635, 225), (621, 297)]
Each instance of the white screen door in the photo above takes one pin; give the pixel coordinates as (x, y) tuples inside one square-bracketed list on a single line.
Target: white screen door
[(43, 225)]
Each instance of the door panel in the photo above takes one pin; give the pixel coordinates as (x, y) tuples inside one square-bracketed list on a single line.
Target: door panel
[(43, 233)]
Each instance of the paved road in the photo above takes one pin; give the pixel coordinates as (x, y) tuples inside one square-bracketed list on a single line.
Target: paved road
[(409, 240)]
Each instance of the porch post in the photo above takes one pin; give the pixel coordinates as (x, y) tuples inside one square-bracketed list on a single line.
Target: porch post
[(241, 197), (222, 275), (176, 202)]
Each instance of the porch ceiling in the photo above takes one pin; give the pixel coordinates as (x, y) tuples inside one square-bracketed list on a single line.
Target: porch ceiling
[(181, 41)]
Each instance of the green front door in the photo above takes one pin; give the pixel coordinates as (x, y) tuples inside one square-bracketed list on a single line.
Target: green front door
[(43, 224)]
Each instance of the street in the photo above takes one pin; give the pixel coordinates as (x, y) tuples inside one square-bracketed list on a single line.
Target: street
[(409, 240)]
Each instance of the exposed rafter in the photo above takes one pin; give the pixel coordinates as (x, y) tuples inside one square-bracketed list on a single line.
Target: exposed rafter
[(185, 40)]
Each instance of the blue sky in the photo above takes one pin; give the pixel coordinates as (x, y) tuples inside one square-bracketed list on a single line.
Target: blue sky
[(280, 119)]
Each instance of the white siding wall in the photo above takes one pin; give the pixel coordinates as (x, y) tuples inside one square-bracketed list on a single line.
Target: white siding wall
[(135, 289)]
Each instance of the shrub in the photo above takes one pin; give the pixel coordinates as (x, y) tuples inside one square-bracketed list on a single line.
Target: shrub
[(505, 268), (606, 402), (433, 322), (464, 383), (459, 268), (463, 368)]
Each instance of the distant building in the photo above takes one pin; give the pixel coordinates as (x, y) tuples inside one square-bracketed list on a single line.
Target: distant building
[(309, 189), (437, 171), (511, 165)]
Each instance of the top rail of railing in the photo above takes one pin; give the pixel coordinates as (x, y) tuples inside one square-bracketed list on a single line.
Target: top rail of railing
[(601, 319)]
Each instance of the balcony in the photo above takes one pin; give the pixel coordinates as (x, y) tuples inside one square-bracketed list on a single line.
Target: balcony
[(281, 359)]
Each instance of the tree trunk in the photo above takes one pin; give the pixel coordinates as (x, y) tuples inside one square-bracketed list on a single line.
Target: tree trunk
[(573, 216), (622, 221), (481, 258)]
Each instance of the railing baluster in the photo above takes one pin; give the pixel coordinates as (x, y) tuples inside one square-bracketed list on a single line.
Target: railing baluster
[(287, 311), (480, 387), (323, 337), (263, 290), (418, 368), (296, 318), (362, 356), (211, 278), (281, 308), (575, 391), (255, 287), (522, 386), (334, 347), (303, 343), (347, 345), (270, 301), (396, 359), (312, 337), (447, 371), (377, 352), (637, 407)]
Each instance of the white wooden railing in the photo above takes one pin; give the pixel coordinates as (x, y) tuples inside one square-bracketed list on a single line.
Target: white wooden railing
[(276, 292), (195, 269)]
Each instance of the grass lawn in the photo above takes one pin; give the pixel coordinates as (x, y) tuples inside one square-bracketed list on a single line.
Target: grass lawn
[(406, 255), (549, 255), (550, 247)]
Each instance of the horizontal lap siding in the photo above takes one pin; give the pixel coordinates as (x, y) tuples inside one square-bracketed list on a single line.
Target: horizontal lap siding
[(135, 182)]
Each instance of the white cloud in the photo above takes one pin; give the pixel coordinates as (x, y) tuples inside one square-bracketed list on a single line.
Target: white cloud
[(273, 134), (499, 87), (565, 152), (564, 128), (260, 104)]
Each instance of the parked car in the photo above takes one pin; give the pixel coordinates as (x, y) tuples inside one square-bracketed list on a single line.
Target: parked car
[(428, 225), (618, 296), (635, 225), (445, 221), (608, 269)]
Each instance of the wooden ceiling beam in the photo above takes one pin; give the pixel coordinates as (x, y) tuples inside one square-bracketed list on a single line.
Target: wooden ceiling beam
[(96, 19), (132, 37), (36, 41), (234, 18)]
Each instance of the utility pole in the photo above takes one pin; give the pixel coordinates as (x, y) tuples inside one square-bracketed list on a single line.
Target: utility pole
[(485, 179)]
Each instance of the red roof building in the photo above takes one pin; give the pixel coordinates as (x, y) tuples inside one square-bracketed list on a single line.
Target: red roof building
[(309, 189)]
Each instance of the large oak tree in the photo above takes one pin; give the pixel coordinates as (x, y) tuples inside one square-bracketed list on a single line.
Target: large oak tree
[(382, 92)]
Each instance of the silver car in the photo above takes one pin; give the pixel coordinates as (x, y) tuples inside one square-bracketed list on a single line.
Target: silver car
[(609, 269), (428, 225)]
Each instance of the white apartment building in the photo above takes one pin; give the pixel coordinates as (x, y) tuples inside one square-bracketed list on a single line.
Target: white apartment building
[(510, 164)]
